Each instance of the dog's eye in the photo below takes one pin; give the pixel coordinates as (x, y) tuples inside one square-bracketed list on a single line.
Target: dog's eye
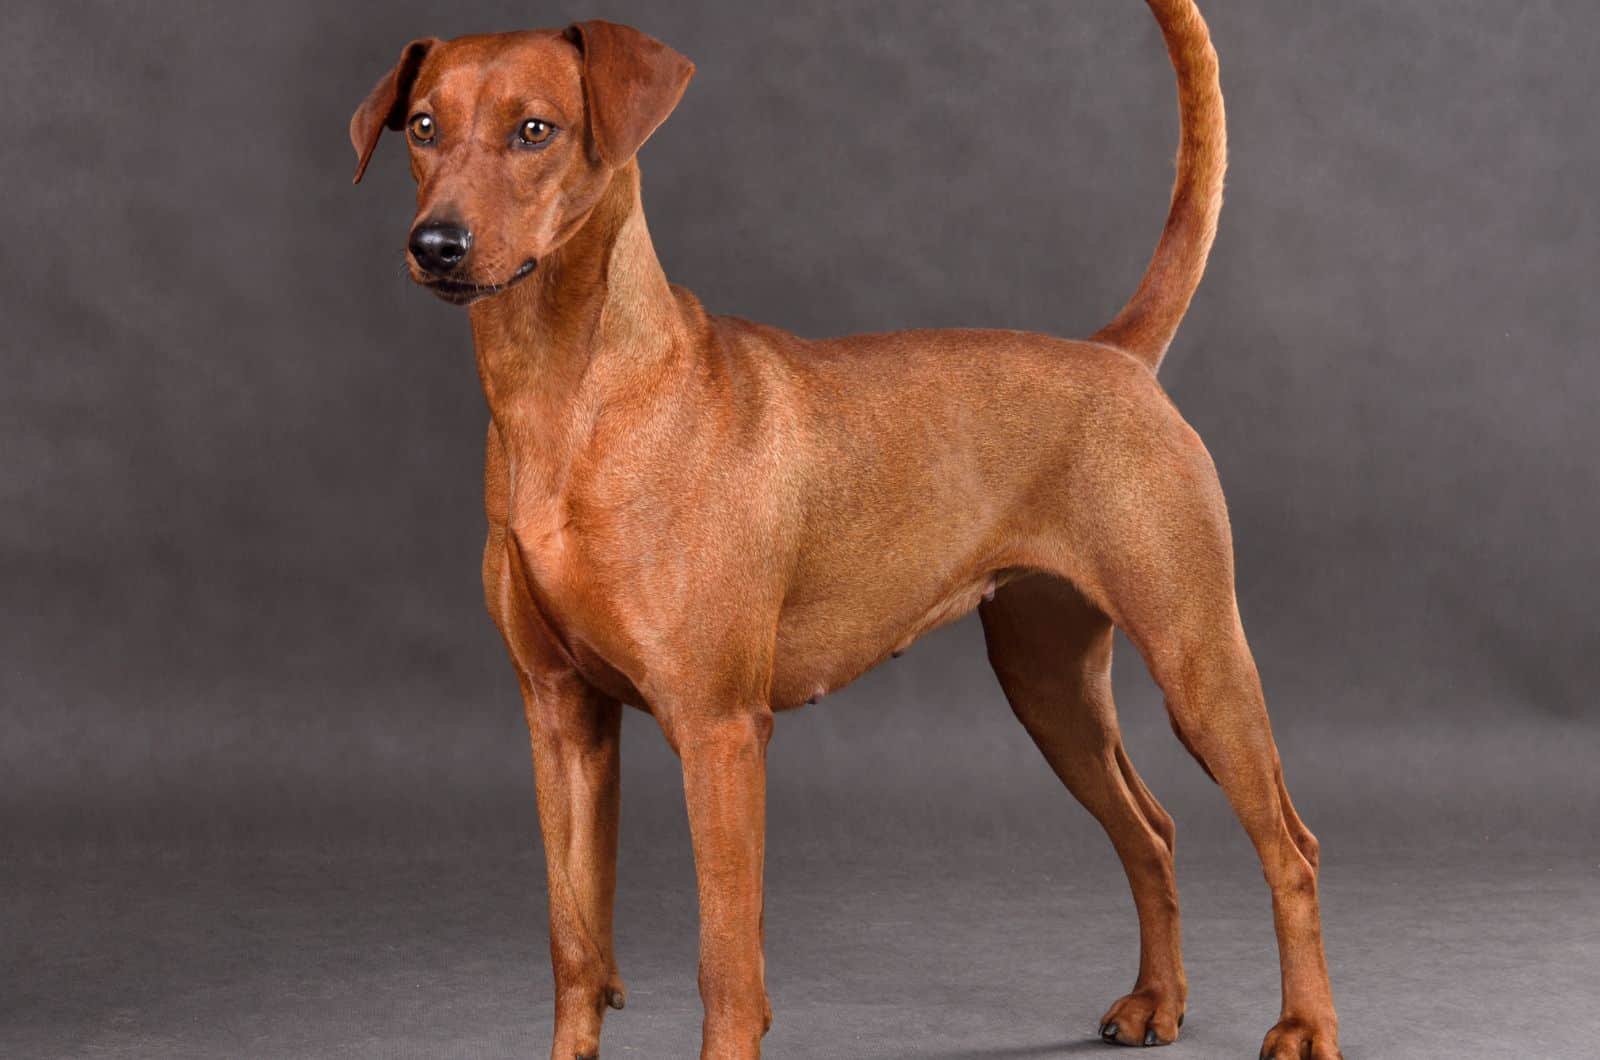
[(422, 128), (535, 132)]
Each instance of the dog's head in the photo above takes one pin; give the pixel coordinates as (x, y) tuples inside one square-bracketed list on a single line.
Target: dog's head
[(513, 139)]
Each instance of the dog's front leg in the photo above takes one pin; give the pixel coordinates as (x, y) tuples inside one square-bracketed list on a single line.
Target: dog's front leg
[(575, 732), (725, 786)]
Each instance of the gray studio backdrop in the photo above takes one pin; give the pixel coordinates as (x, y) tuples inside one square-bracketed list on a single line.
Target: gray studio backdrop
[(264, 786)]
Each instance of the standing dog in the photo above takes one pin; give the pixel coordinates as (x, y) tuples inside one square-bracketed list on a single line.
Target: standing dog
[(713, 520)]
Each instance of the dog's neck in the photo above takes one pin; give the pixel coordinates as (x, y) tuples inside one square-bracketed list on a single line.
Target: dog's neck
[(596, 313)]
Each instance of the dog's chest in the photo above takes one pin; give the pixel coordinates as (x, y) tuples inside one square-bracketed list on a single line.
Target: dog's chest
[(566, 597)]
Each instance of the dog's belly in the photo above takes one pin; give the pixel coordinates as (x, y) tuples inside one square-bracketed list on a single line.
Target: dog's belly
[(826, 643)]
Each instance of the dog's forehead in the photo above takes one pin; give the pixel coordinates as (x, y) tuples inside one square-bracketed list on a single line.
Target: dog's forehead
[(504, 67)]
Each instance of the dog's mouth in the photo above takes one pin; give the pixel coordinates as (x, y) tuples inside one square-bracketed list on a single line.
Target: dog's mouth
[(457, 292)]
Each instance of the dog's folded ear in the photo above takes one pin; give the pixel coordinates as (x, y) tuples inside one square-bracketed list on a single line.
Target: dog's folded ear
[(385, 107), (631, 82)]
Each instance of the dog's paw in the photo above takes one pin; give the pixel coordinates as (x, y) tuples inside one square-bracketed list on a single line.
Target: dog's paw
[(1301, 1039), (1145, 1017)]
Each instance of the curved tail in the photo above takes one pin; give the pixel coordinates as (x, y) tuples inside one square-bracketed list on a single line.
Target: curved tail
[(1147, 323)]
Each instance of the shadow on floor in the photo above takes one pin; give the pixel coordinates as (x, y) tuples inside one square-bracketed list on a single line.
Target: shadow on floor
[(1077, 1047)]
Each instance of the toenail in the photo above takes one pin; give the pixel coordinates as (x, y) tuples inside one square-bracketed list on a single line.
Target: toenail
[(1108, 1031), (1150, 1036)]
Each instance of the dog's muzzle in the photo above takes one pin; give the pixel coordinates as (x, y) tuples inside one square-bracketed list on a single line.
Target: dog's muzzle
[(459, 292)]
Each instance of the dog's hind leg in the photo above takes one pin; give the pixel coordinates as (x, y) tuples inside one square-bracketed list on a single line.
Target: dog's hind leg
[(1051, 650), (1164, 573), (1215, 700)]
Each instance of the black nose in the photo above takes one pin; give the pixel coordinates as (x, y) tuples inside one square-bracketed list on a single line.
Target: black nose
[(440, 246)]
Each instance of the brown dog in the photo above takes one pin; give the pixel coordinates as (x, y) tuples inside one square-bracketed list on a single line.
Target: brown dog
[(712, 520)]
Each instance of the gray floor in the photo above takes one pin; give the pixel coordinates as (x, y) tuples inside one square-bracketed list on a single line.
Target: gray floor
[(938, 934)]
